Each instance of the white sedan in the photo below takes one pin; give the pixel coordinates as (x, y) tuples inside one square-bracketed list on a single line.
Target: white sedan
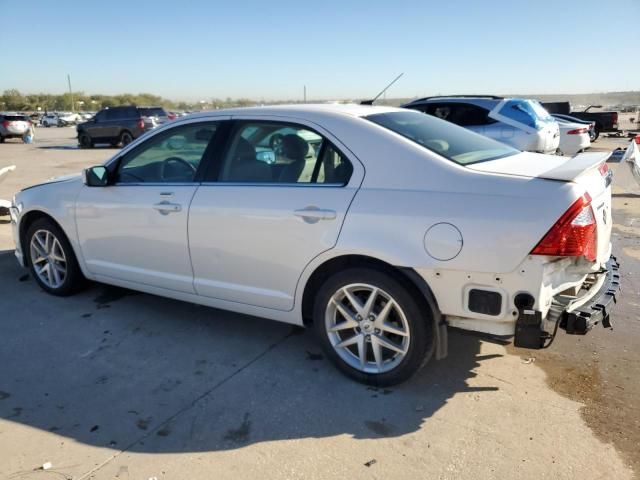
[(574, 137), (377, 226)]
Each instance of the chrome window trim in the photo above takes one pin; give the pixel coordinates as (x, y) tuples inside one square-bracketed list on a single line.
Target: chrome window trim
[(155, 184), (273, 184)]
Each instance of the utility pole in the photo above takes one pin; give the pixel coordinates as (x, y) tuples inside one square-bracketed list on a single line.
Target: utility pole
[(70, 91), (305, 93)]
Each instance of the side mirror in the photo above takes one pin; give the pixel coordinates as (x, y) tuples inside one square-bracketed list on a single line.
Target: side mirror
[(96, 176)]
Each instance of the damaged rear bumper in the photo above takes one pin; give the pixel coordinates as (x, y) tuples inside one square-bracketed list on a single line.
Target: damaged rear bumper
[(575, 315), (580, 320)]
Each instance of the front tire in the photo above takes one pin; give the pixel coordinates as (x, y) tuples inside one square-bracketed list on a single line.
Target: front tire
[(85, 141), (52, 262), (372, 327)]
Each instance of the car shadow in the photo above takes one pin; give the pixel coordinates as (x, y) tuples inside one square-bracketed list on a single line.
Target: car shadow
[(77, 147), (114, 368)]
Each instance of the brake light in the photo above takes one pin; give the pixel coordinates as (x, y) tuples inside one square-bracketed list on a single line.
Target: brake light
[(637, 139), (575, 234), (171, 116), (141, 123), (577, 131), (614, 117), (6, 123), (603, 169)]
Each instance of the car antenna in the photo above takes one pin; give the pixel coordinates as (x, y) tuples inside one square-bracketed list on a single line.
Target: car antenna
[(370, 102)]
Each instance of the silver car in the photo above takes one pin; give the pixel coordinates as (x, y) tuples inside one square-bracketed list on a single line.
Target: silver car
[(13, 126)]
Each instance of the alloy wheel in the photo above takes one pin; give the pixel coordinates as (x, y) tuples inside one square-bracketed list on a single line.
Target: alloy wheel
[(367, 328), (48, 259)]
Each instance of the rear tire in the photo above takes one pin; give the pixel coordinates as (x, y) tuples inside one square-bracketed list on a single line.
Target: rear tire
[(1, 139), (125, 139), (52, 262), (380, 342)]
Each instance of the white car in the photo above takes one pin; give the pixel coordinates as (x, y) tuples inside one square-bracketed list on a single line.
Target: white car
[(378, 226), (522, 123), (574, 137), (50, 120)]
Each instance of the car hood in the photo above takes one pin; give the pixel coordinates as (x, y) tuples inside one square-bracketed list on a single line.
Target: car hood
[(552, 167), (76, 177)]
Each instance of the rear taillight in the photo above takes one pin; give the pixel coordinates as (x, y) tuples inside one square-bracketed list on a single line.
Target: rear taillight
[(637, 139), (603, 169), (171, 116), (577, 131), (6, 123), (575, 234), (141, 123)]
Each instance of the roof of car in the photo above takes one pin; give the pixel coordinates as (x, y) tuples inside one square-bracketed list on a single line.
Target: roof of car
[(350, 109)]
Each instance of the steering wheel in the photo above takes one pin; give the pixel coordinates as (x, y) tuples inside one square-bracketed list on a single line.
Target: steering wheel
[(170, 160)]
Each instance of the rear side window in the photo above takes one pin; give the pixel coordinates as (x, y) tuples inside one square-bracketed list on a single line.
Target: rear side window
[(113, 114), (282, 153), (16, 118)]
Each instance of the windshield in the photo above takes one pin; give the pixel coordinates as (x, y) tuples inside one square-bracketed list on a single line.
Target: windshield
[(451, 141)]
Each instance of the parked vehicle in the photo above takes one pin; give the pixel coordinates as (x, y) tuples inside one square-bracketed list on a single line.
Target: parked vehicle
[(604, 121), (375, 226), (568, 118), (50, 120), (5, 205), (574, 137), (521, 123), (158, 114), (13, 126), (117, 125)]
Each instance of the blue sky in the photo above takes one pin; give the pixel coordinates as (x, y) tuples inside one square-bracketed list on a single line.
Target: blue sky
[(339, 49)]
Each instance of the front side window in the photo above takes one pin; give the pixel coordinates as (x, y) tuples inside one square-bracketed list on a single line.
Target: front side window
[(451, 141), (169, 157), (265, 152)]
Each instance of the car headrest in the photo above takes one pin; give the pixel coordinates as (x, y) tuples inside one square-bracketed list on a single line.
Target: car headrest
[(294, 147), (245, 152)]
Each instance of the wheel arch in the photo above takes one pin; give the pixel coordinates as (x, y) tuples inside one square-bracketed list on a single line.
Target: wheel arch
[(406, 275)]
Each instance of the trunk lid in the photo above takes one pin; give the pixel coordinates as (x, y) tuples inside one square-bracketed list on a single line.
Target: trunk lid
[(583, 169)]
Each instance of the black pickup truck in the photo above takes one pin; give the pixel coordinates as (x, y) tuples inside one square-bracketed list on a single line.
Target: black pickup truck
[(604, 121)]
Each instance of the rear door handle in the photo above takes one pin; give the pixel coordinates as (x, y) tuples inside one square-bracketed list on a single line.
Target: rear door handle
[(165, 208), (315, 214)]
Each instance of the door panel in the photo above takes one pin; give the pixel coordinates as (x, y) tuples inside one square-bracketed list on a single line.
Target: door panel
[(124, 235), (280, 195), (250, 243), (136, 229)]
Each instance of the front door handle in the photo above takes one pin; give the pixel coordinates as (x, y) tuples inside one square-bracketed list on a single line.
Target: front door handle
[(165, 208), (315, 214)]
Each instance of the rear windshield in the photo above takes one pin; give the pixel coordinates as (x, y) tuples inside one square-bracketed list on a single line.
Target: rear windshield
[(451, 141), (15, 118), (527, 112), (152, 112)]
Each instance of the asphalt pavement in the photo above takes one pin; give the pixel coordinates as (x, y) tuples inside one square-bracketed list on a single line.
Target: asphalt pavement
[(112, 383)]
